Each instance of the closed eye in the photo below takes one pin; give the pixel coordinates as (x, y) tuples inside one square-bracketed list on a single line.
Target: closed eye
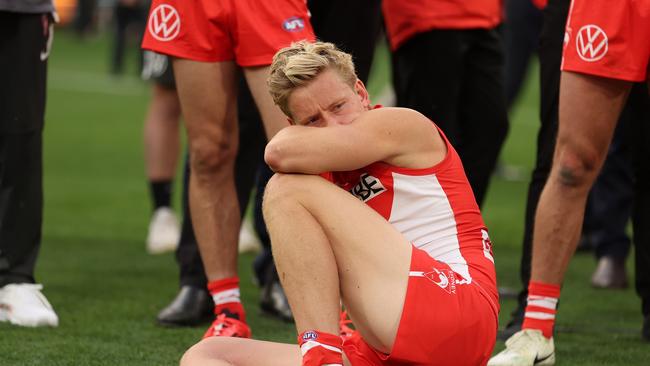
[(338, 106)]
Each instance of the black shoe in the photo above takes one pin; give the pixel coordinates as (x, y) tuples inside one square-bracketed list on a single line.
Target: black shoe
[(273, 301), (645, 331), (516, 320), (191, 306)]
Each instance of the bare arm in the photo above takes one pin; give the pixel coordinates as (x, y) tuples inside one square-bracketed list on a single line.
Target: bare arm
[(398, 136)]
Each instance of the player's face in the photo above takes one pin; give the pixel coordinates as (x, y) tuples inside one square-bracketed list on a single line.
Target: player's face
[(327, 101)]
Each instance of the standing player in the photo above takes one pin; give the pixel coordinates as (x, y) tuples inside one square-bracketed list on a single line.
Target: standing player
[(411, 229), (211, 41), (25, 41), (607, 48)]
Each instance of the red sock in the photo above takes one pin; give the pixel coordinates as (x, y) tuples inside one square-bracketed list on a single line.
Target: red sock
[(540, 308), (225, 293), (319, 348)]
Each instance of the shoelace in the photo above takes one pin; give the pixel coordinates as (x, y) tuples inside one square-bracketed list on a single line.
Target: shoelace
[(223, 326)]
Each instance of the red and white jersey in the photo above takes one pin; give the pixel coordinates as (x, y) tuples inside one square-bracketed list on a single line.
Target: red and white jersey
[(434, 208)]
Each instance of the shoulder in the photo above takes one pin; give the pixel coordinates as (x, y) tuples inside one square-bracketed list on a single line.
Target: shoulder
[(398, 115)]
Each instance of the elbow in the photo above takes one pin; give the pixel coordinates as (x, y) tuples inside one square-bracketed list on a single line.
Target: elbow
[(273, 157)]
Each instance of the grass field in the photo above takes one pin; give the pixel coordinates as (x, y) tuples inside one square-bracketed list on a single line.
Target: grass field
[(107, 290)]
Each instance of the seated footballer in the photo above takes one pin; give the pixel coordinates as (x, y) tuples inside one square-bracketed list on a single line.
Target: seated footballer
[(369, 207)]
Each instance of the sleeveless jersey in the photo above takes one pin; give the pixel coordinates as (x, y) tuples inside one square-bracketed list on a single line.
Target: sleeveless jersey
[(434, 208)]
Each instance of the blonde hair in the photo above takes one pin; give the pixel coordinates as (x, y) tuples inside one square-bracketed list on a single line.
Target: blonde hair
[(302, 62)]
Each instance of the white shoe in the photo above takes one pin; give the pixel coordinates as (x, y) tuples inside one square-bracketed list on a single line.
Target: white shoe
[(248, 240), (164, 231), (24, 304), (527, 347)]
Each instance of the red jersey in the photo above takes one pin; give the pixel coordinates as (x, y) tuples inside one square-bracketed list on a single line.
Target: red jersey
[(404, 19), (451, 307), (434, 209)]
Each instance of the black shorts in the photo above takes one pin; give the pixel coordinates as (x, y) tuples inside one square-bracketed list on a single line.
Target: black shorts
[(25, 41), (158, 67)]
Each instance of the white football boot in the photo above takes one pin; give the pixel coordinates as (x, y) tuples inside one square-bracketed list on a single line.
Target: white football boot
[(164, 231), (527, 347), (23, 304)]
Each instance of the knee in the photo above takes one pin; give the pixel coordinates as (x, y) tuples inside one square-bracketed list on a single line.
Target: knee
[(208, 156), (193, 356), (277, 188), (576, 168), (284, 188), (206, 351)]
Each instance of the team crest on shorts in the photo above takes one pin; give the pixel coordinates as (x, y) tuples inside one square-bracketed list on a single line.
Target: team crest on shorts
[(164, 23), (591, 43), (294, 24), (446, 280)]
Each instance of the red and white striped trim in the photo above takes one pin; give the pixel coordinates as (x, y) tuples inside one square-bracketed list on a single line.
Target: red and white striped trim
[(307, 346), (543, 302), (539, 315), (223, 297)]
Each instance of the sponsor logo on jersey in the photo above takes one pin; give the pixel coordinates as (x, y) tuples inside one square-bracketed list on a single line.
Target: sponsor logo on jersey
[(591, 43), (309, 335), (164, 23), (446, 281), (294, 24), (368, 188)]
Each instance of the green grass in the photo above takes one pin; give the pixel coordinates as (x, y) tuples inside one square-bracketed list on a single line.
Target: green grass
[(107, 290)]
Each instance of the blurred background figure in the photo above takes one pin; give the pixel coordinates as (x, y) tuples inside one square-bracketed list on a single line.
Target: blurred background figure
[(161, 151), (448, 65), (609, 208), (26, 32), (520, 29), (84, 20), (130, 17)]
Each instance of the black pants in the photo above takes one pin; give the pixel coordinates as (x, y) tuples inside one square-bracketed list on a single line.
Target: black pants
[(23, 68), (609, 205), (125, 16), (454, 77), (550, 53), (523, 22)]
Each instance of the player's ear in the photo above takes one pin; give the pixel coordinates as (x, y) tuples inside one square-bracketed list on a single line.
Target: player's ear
[(362, 92), (290, 121)]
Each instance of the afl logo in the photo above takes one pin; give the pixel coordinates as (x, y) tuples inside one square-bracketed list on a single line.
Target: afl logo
[(591, 43), (164, 23), (309, 335), (294, 24)]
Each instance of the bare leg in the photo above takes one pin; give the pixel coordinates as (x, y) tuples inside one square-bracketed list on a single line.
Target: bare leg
[(161, 136), (224, 351), (273, 118), (324, 238), (208, 96), (589, 109)]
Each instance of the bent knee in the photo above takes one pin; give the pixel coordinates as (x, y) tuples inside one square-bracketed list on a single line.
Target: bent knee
[(287, 187), (205, 352)]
